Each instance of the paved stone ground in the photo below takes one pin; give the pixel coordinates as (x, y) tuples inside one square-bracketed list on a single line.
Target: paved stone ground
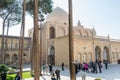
[(112, 73)]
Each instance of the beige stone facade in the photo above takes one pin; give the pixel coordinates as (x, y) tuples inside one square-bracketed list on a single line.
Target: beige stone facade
[(87, 45), (12, 51)]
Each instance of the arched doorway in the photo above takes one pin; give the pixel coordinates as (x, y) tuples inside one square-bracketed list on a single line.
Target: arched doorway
[(14, 57), (106, 54), (7, 59), (51, 55), (97, 53)]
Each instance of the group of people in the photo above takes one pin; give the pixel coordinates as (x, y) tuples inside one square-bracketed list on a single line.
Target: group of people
[(84, 68), (54, 73), (93, 67)]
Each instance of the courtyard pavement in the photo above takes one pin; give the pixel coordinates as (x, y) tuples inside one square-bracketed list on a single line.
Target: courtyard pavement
[(112, 73)]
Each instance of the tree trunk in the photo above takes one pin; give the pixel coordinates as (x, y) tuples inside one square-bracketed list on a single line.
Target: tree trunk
[(36, 43), (40, 47), (2, 42), (6, 45), (32, 57), (22, 38), (71, 43)]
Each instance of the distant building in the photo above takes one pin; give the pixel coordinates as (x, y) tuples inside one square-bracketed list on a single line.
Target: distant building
[(87, 45), (11, 52)]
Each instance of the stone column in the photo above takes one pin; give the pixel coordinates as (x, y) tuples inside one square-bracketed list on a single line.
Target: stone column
[(110, 53), (101, 54), (93, 53)]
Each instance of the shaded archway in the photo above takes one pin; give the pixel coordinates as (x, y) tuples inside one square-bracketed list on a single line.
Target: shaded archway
[(14, 57), (51, 55), (52, 32), (7, 59), (97, 53), (106, 54)]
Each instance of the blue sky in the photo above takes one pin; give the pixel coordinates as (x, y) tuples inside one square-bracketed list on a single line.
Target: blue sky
[(103, 15)]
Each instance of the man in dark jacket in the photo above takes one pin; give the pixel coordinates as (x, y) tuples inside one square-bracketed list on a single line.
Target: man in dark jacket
[(17, 77), (57, 72), (62, 66), (100, 66), (106, 64)]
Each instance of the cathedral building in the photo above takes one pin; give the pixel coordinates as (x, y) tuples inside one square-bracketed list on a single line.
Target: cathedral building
[(87, 45)]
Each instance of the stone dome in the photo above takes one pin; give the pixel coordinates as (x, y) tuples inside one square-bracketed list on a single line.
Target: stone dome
[(58, 15)]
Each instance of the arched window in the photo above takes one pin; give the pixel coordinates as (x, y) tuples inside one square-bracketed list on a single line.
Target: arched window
[(16, 45), (117, 56), (51, 56), (52, 51), (84, 57), (52, 32), (113, 56), (79, 57), (7, 58), (14, 57)]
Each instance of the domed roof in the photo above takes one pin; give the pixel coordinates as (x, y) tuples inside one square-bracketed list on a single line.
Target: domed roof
[(58, 15)]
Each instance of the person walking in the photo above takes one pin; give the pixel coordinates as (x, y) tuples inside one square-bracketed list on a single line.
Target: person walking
[(83, 74), (50, 67), (46, 68), (57, 72), (100, 66), (106, 64), (62, 66), (95, 67), (43, 67), (86, 67), (53, 76)]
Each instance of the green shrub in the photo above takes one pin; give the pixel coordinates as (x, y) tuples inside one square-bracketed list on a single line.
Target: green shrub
[(3, 68)]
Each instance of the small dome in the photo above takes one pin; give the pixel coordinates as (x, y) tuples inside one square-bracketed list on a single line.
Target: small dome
[(58, 15)]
